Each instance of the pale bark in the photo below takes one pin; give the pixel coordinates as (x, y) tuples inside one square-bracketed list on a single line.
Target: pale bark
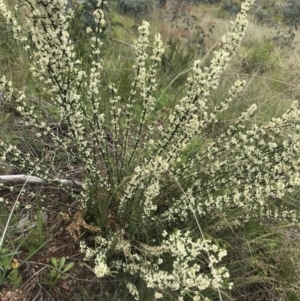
[(21, 179)]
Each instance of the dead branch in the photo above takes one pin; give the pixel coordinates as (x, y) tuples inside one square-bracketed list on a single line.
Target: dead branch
[(21, 179)]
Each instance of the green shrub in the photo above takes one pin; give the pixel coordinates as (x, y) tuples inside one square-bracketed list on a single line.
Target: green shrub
[(137, 8), (268, 12), (291, 14), (155, 194), (231, 6), (259, 58)]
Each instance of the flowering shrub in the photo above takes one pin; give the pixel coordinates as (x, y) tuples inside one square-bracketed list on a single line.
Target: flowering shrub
[(145, 190)]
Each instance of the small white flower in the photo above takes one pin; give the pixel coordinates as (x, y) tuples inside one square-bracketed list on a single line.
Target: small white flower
[(101, 270), (158, 295)]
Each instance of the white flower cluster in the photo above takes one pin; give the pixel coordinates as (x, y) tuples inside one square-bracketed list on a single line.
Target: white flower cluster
[(190, 117), (187, 276), (143, 88), (53, 52), (191, 113), (18, 31), (98, 255), (25, 161), (186, 254), (133, 290), (247, 165)]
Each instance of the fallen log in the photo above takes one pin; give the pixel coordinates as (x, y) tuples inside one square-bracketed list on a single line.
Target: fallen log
[(21, 179)]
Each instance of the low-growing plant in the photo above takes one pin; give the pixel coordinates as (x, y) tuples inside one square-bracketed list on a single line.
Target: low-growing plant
[(285, 37), (58, 272), (6, 264), (35, 237), (152, 191), (15, 277)]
